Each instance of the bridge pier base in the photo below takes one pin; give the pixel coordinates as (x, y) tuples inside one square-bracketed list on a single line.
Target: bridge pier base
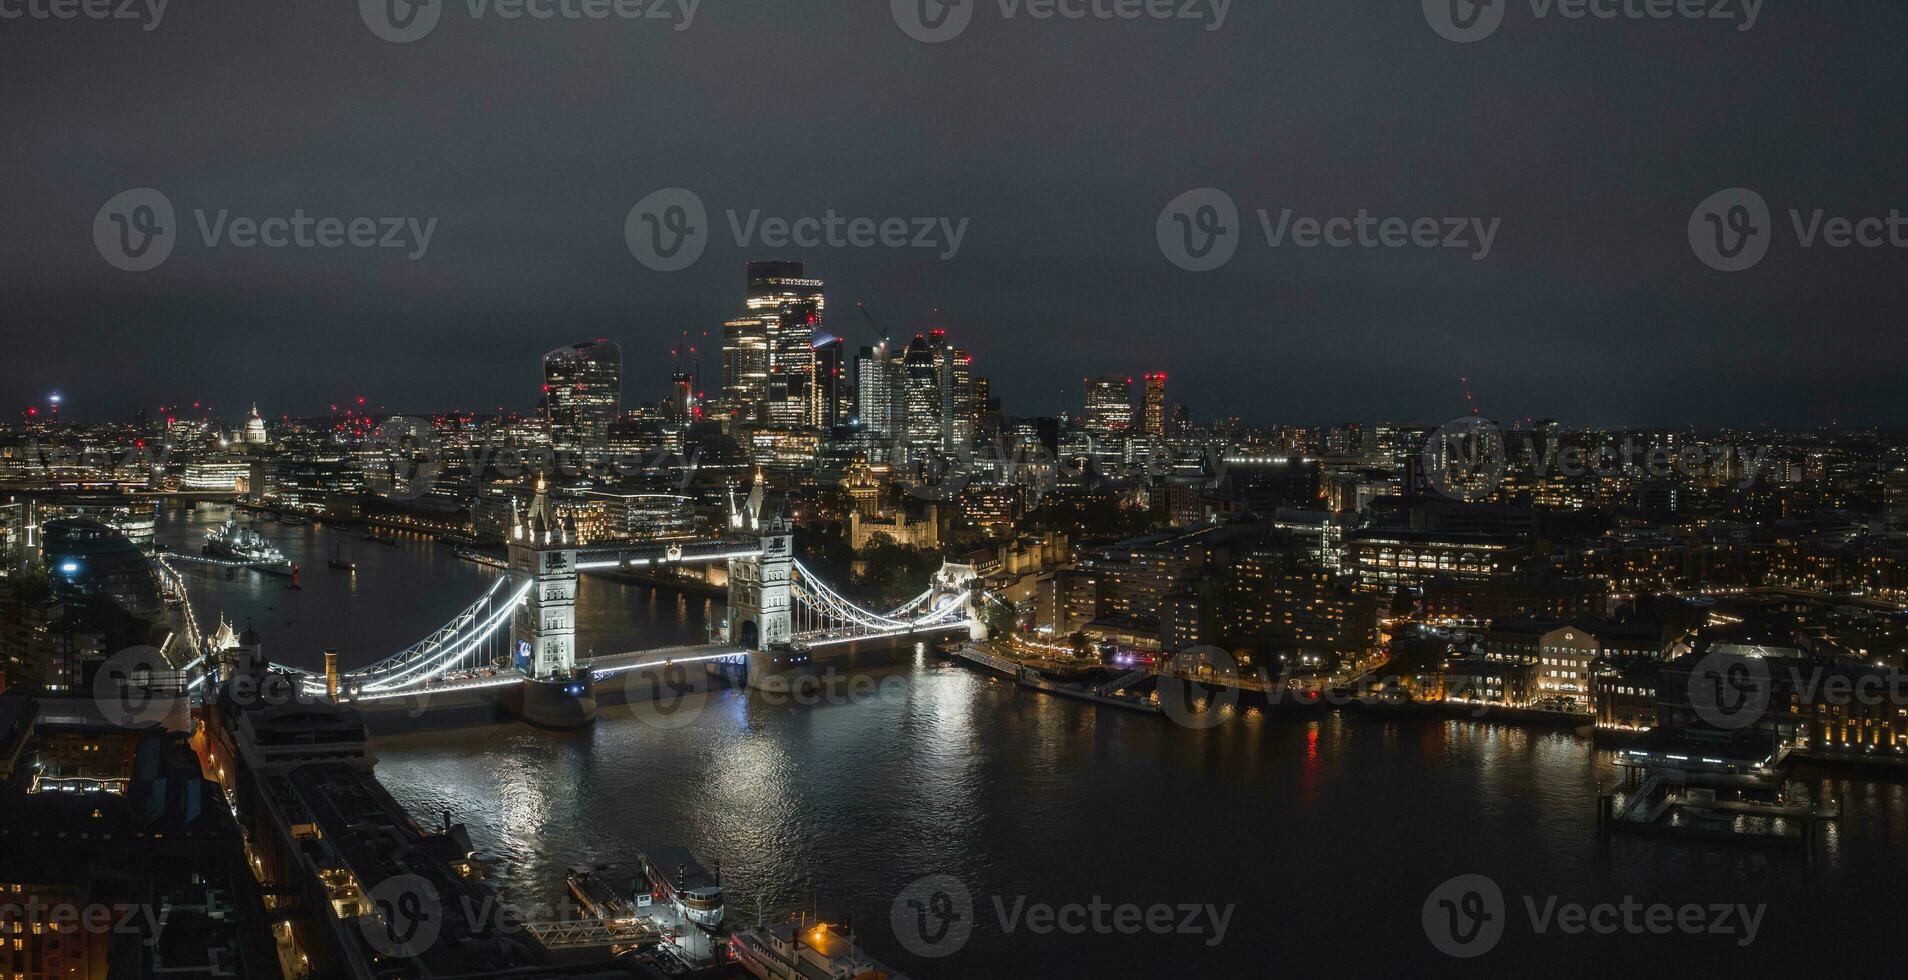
[(767, 666), (764, 664), (559, 704)]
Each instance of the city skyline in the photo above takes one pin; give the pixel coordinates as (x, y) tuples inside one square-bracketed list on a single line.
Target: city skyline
[(952, 488)]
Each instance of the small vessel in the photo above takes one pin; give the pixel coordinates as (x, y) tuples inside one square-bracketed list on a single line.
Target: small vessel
[(676, 877), (293, 519), (798, 950), (374, 536), (468, 554), (338, 562)]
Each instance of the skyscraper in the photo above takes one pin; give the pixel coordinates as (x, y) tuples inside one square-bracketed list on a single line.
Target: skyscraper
[(832, 395), (921, 397), (582, 394), (955, 380), (1153, 406), (878, 392), (745, 365), (791, 307), (1109, 406)]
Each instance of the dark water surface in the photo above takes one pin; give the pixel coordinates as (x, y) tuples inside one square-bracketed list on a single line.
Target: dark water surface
[(1325, 834)]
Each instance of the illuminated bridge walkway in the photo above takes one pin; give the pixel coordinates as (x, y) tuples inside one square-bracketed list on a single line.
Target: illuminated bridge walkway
[(464, 653)]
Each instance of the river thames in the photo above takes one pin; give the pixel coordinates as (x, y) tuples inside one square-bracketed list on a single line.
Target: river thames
[(1293, 842)]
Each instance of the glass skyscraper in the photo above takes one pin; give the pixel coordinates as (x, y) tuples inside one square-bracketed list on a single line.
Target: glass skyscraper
[(582, 394), (791, 306)]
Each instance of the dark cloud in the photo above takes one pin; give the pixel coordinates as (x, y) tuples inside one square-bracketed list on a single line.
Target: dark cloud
[(1060, 141)]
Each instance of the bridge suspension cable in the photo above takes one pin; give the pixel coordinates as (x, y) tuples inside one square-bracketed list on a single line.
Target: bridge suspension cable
[(454, 652)]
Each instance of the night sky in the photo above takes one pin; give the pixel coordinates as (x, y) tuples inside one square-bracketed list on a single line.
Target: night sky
[(1060, 141)]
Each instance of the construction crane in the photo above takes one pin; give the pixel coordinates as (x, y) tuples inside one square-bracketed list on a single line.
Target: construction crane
[(1469, 401), (872, 325)]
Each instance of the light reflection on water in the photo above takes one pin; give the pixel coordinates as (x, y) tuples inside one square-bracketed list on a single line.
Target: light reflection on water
[(1327, 832)]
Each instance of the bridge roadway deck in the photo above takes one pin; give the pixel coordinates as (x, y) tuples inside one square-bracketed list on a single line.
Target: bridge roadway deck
[(602, 667), (653, 553)]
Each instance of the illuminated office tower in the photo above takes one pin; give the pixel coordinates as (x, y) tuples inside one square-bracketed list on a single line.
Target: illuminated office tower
[(1109, 406), (955, 381), (1895, 500), (832, 394), (878, 383), (745, 365), (1153, 406), (921, 397), (791, 305), (582, 394)]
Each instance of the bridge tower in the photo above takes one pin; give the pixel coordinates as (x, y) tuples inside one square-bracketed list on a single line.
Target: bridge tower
[(543, 632), (761, 587)]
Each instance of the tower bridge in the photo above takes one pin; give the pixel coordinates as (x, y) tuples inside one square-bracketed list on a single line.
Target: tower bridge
[(516, 642)]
